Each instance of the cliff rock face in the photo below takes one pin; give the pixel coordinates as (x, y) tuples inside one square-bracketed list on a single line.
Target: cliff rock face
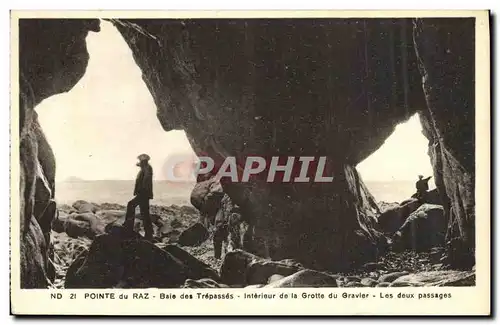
[(333, 88), (52, 58), (446, 53)]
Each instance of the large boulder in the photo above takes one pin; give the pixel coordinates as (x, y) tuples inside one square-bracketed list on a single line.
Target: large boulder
[(231, 230), (110, 216), (117, 217), (305, 279), (96, 224), (67, 209), (115, 260), (37, 205), (194, 235), (234, 268), (203, 283), (44, 70), (167, 233), (83, 206), (343, 83), (197, 269), (424, 229), (79, 224), (389, 277), (259, 271), (138, 227), (206, 196), (188, 210), (432, 197), (446, 53), (58, 222), (393, 216), (243, 268), (112, 206), (77, 228), (249, 98), (438, 279)]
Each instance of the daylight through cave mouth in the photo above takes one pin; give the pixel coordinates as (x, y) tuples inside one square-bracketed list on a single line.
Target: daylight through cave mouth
[(104, 122), (390, 172)]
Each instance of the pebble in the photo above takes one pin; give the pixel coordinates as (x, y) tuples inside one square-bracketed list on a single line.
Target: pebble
[(369, 282), (383, 284), (400, 284), (371, 266), (391, 276), (353, 285)]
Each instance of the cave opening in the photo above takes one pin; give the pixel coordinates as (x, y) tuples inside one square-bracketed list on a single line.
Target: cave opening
[(390, 172), (113, 130), (98, 128)]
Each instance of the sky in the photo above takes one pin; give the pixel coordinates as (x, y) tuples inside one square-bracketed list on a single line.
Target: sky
[(114, 115), (98, 128), (408, 147)]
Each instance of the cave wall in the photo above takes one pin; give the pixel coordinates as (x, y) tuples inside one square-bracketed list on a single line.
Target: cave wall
[(338, 91), (446, 53), (52, 58), (302, 87)]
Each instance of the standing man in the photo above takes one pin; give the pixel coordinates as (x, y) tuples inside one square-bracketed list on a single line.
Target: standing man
[(422, 186), (143, 192)]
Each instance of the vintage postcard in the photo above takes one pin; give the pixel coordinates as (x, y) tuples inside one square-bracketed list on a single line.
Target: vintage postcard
[(250, 163)]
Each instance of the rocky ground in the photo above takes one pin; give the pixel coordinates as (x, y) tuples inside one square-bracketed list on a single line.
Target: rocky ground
[(174, 218), (78, 225), (66, 249)]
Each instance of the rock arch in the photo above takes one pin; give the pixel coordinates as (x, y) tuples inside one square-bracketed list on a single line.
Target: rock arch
[(330, 87)]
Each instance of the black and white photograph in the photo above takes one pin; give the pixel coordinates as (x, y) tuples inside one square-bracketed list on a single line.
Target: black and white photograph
[(248, 153)]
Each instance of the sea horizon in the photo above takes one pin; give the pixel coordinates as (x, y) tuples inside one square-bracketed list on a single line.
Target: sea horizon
[(168, 192)]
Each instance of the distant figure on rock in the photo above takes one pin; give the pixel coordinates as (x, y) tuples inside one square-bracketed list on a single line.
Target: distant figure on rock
[(422, 186), (143, 192)]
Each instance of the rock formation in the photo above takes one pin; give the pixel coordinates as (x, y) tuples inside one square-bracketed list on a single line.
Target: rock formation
[(115, 261), (446, 54), (194, 235), (324, 87), (218, 210), (305, 279), (423, 229), (52, 58), (243, 268), (393, 216), (337, 91)]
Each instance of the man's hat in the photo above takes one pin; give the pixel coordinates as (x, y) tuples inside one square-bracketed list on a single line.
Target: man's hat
[(143, 157)]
